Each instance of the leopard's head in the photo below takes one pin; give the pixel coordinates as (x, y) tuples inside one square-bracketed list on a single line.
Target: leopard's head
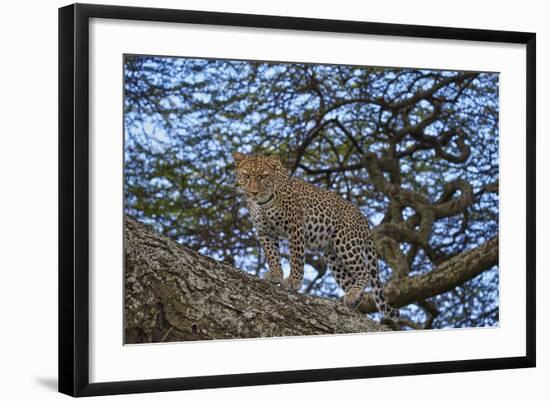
[(258, 176)]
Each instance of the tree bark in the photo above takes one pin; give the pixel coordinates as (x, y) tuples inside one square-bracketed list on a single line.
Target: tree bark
[(173, 293)]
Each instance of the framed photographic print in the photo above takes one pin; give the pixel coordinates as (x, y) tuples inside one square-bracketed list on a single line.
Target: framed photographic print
[(249, 199)]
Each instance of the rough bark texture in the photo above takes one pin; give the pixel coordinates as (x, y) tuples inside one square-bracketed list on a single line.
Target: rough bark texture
[(173, 293)]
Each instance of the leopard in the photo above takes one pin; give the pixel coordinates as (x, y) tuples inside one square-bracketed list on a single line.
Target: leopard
[(312, 219)]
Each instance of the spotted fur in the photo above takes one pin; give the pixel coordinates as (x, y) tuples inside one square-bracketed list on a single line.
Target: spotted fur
[(284, 207)]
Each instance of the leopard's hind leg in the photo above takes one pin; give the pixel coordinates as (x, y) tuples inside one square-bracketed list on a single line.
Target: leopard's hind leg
[(360, 262), (349, 251), (343, 278)]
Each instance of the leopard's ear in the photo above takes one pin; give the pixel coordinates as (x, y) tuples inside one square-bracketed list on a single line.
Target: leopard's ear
[(238, 157), (275, 161)]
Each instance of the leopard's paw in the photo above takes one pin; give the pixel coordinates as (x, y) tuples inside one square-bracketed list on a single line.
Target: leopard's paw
[(353, 297), (275, 277), (292, 284)]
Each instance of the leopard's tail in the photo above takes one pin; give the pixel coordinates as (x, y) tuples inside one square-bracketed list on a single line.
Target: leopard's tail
[(382, 305)]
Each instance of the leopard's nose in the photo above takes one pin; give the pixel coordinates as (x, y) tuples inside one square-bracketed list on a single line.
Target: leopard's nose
[(254, 192)]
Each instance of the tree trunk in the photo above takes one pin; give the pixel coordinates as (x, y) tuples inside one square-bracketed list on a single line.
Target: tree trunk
[(173, 293)]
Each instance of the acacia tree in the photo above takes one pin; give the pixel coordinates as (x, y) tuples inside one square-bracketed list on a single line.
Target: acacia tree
[(416, 150)]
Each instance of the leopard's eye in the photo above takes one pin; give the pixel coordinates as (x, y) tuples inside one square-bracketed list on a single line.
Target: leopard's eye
[(264, 176), (246, 176)]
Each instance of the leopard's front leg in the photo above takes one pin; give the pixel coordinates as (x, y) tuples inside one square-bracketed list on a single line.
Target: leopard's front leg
[(297, 258), (270, 246)]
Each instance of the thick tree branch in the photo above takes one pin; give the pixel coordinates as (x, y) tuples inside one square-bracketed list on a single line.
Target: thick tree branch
[(173, 293), (445, 277)]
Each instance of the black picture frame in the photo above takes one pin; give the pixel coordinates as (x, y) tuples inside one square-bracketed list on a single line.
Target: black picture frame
[(74, 198)]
